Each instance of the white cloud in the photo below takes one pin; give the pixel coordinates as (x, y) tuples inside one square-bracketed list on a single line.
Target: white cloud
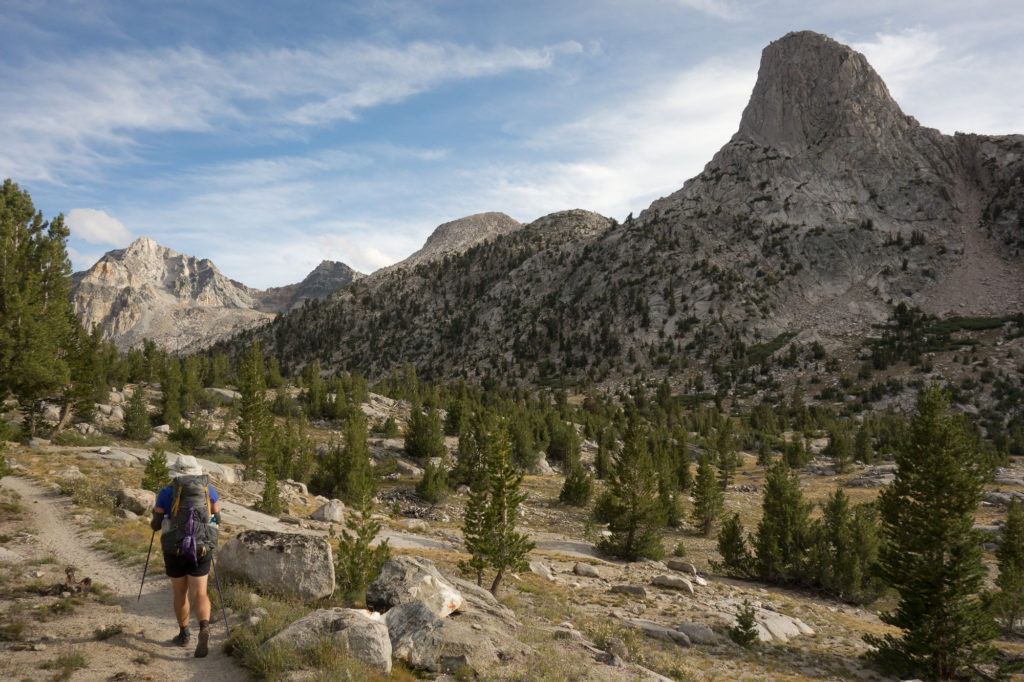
[(361, 256), (715, 8), (96, 227), (901, 59), (82, 260), (71, 117)]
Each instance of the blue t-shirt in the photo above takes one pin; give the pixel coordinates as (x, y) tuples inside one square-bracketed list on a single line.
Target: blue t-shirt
[(165, 498)]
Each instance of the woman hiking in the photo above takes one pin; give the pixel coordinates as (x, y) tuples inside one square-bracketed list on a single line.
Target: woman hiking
[(187, 512)]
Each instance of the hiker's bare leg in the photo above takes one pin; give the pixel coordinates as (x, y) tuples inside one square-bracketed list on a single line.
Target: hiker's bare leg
[(200, 600), (181, 606)]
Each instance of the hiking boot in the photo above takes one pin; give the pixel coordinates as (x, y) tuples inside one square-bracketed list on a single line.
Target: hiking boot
[(181, 639), (203, 647)]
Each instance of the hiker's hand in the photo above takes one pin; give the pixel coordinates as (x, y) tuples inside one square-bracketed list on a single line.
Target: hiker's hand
[(156, 521)]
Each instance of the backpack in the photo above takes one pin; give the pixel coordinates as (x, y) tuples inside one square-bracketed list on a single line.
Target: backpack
[(188, 531)]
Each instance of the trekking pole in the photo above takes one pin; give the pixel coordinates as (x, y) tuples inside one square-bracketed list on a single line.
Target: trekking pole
[(146, 568), (220, 595)]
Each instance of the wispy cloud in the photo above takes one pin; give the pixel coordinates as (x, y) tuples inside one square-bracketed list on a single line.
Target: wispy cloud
[(720, 9), (901, 58), (70, 117), (96, 227)]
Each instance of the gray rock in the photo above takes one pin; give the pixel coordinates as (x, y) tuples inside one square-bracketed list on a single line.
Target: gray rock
[(542, 468), (117, 412), (302, 565), (103, 409), (542, 569), (136, 500), (359, 633), (163, 429), (418, 525), (70, 473), (333, 511), (656, 631), (700, 633), (416, 636), (403, 580), (633, 590), (676, 582), (682, 566), (591, 571)]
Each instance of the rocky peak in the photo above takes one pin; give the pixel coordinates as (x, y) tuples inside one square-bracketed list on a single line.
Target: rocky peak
[(811, 88), (458, 235)]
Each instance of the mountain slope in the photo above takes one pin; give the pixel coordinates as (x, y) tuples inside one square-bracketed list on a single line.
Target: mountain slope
[(828, 207)]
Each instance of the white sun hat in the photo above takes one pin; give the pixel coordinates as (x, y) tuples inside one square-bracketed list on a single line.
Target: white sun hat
[(187, 465)]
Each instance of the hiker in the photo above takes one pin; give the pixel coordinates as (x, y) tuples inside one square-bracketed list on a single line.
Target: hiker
[(187, 512)]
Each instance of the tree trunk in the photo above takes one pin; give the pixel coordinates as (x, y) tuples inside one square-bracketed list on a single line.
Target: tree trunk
[(65, 417), (497, 581)]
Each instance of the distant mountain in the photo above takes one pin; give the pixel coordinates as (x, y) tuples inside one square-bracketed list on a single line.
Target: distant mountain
[(458, 235), (180, 302), (827, 208)]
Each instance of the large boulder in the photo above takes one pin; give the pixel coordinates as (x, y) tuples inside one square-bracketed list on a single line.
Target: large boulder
[(361, 634), (475, 636), (404, 579), (302, 565), (136, 500), (332, 511)]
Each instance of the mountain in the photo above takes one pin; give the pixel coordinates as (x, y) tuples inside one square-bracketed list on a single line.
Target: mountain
[(458, 235), (180, 302), (827, 208)]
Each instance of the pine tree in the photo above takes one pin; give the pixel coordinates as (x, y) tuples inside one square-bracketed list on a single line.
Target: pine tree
[(579, 486), (764, 452), (358, 564), (732, 546), (725, 454), (254, 419), (424, 438), (783, 535), (489, 526), (603, 460), (839, 449), (170, 384), (35, 305), (433, 487), (931, 555), (636, 513), (136, 416), (156, 474), (1009, 601), (708, 498), (270, 501), (845, 554), (862, 448)]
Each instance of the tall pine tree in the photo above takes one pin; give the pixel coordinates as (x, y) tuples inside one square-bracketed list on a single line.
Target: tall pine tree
[(35, 307), (254, 419), (931, 555), (636, 512)]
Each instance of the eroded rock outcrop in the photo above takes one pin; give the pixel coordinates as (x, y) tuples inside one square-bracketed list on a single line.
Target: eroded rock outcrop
[(302, 565)]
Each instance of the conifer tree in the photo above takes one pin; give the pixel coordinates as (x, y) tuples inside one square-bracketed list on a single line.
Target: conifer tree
[(862, 448), (764, 451), (845, 553), (136, 417), (839, 449), (156, 475), (1009, 601), (783, 535), (732, 547), (603, 459), (424, 438), (35, 304), (725, 454), (489, 526), (358, 564), (931, 555), (170, 384), (579, 486), (636, 514), (708, 498), (433, 487), (270, 501), (254, 419)]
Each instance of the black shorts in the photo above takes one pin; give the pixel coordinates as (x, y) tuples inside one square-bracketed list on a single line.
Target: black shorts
[(178, 566)]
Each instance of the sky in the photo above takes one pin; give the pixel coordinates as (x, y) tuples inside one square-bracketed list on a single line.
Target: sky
[(270, 135)]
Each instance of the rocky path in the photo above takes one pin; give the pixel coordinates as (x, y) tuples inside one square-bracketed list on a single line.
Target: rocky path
[(148, 623)]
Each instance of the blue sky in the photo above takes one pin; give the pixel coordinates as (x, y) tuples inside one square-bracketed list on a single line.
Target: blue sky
[(268, 136)]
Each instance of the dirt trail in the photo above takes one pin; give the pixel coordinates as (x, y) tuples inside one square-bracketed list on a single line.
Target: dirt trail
[(148, 623)]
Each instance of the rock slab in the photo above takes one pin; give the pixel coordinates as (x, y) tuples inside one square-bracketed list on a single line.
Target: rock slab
[(302, 565)]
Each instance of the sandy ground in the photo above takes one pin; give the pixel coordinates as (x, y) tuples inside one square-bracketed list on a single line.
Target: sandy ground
[(148, 622)]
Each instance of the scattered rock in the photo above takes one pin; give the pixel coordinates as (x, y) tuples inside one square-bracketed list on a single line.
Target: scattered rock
[(136, 500), (300, 564), (875, 477), (360, 633), (163, 429), (403, 580), (674, 581), (591, 571), (633, 590), (655, 631), (700, 633), (415, 633), (682, 566), (417, 525), (542, 569), (70, 473)]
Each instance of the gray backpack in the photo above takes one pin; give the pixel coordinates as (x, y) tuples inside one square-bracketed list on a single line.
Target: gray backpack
[(189, 532)]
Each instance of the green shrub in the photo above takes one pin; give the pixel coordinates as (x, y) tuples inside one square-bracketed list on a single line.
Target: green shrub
[(744, 632)]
